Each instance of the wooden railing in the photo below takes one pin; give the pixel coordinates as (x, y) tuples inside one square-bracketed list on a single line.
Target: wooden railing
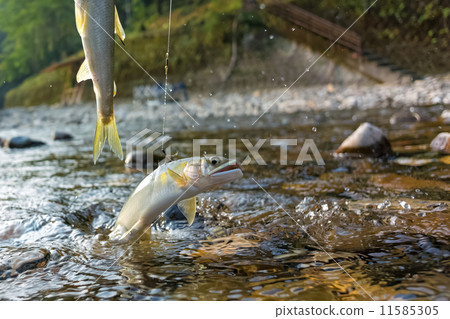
[(315, 24)]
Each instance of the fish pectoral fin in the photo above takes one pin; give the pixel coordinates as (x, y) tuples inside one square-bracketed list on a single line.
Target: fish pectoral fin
[(118, 26), (115, 89), (177, 178), (80, 17), (84, 73), (188, 208), (107, 131)]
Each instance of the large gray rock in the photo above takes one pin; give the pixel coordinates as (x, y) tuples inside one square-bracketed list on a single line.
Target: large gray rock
[(367, 140), (22, 142), (441, 143)]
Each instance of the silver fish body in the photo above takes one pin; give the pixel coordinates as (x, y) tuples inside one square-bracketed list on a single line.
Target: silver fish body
[(97, 23), (177, 182)]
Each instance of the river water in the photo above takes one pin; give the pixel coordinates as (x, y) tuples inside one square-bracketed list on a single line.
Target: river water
[(283, 232)]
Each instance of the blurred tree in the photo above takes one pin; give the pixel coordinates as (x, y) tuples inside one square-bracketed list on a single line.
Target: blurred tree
[(36, 33)]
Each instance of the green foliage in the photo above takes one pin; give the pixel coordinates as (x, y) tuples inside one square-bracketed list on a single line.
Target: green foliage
[(36, 33), (45, 88)]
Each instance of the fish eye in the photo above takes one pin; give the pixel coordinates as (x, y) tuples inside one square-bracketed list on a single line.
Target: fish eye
[(214, 161)]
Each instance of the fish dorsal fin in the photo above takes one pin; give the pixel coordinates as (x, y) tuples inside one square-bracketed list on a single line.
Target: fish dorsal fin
[(177, 178), (115, 89), (188, 208), (80, 17), (84, 73), (118, 26)]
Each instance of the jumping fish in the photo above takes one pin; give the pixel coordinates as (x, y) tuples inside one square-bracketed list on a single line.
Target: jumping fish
[(97, 21), (173, 183)]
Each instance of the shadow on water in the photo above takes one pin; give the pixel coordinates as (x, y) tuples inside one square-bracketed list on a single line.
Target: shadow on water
[(385, 221)]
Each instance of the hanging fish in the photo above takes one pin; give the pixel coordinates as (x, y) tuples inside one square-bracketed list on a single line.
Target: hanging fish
[(97, 21)]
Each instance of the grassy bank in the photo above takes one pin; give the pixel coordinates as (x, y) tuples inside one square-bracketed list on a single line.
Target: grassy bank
[(201, 37)]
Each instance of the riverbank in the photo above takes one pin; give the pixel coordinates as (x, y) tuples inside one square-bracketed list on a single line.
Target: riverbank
[(249, 104)]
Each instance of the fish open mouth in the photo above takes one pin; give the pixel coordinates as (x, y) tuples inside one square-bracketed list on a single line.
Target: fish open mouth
[(227, 167)]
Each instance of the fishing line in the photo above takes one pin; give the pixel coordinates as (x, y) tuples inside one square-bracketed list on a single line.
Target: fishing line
[(166, 72)]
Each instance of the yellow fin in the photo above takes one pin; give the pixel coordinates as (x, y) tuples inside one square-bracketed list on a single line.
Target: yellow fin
[(118, 26), (115, 89), (177, 178), (84, 73), (188, 208), (107, 131), (445, 159), (80, 17)]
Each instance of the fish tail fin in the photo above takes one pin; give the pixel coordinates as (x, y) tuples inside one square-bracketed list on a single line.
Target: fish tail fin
[(107, 130)]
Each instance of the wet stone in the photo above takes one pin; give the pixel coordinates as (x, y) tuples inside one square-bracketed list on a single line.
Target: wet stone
[(367, 140), (408, 116), (445, 116), (22, 142), (24, 261), (441, 143), (61, 136)]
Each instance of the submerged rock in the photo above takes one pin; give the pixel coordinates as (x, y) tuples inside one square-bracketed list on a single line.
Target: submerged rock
[(408, 116), (367, 140), (22, 142), (441, 143), (61, 136), (24, 261)]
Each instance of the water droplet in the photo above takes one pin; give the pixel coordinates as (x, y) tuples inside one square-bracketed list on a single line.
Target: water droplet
[(405, 205), (293, 29), (393, 220), (384, 204), (271, 37), (314, 129)]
